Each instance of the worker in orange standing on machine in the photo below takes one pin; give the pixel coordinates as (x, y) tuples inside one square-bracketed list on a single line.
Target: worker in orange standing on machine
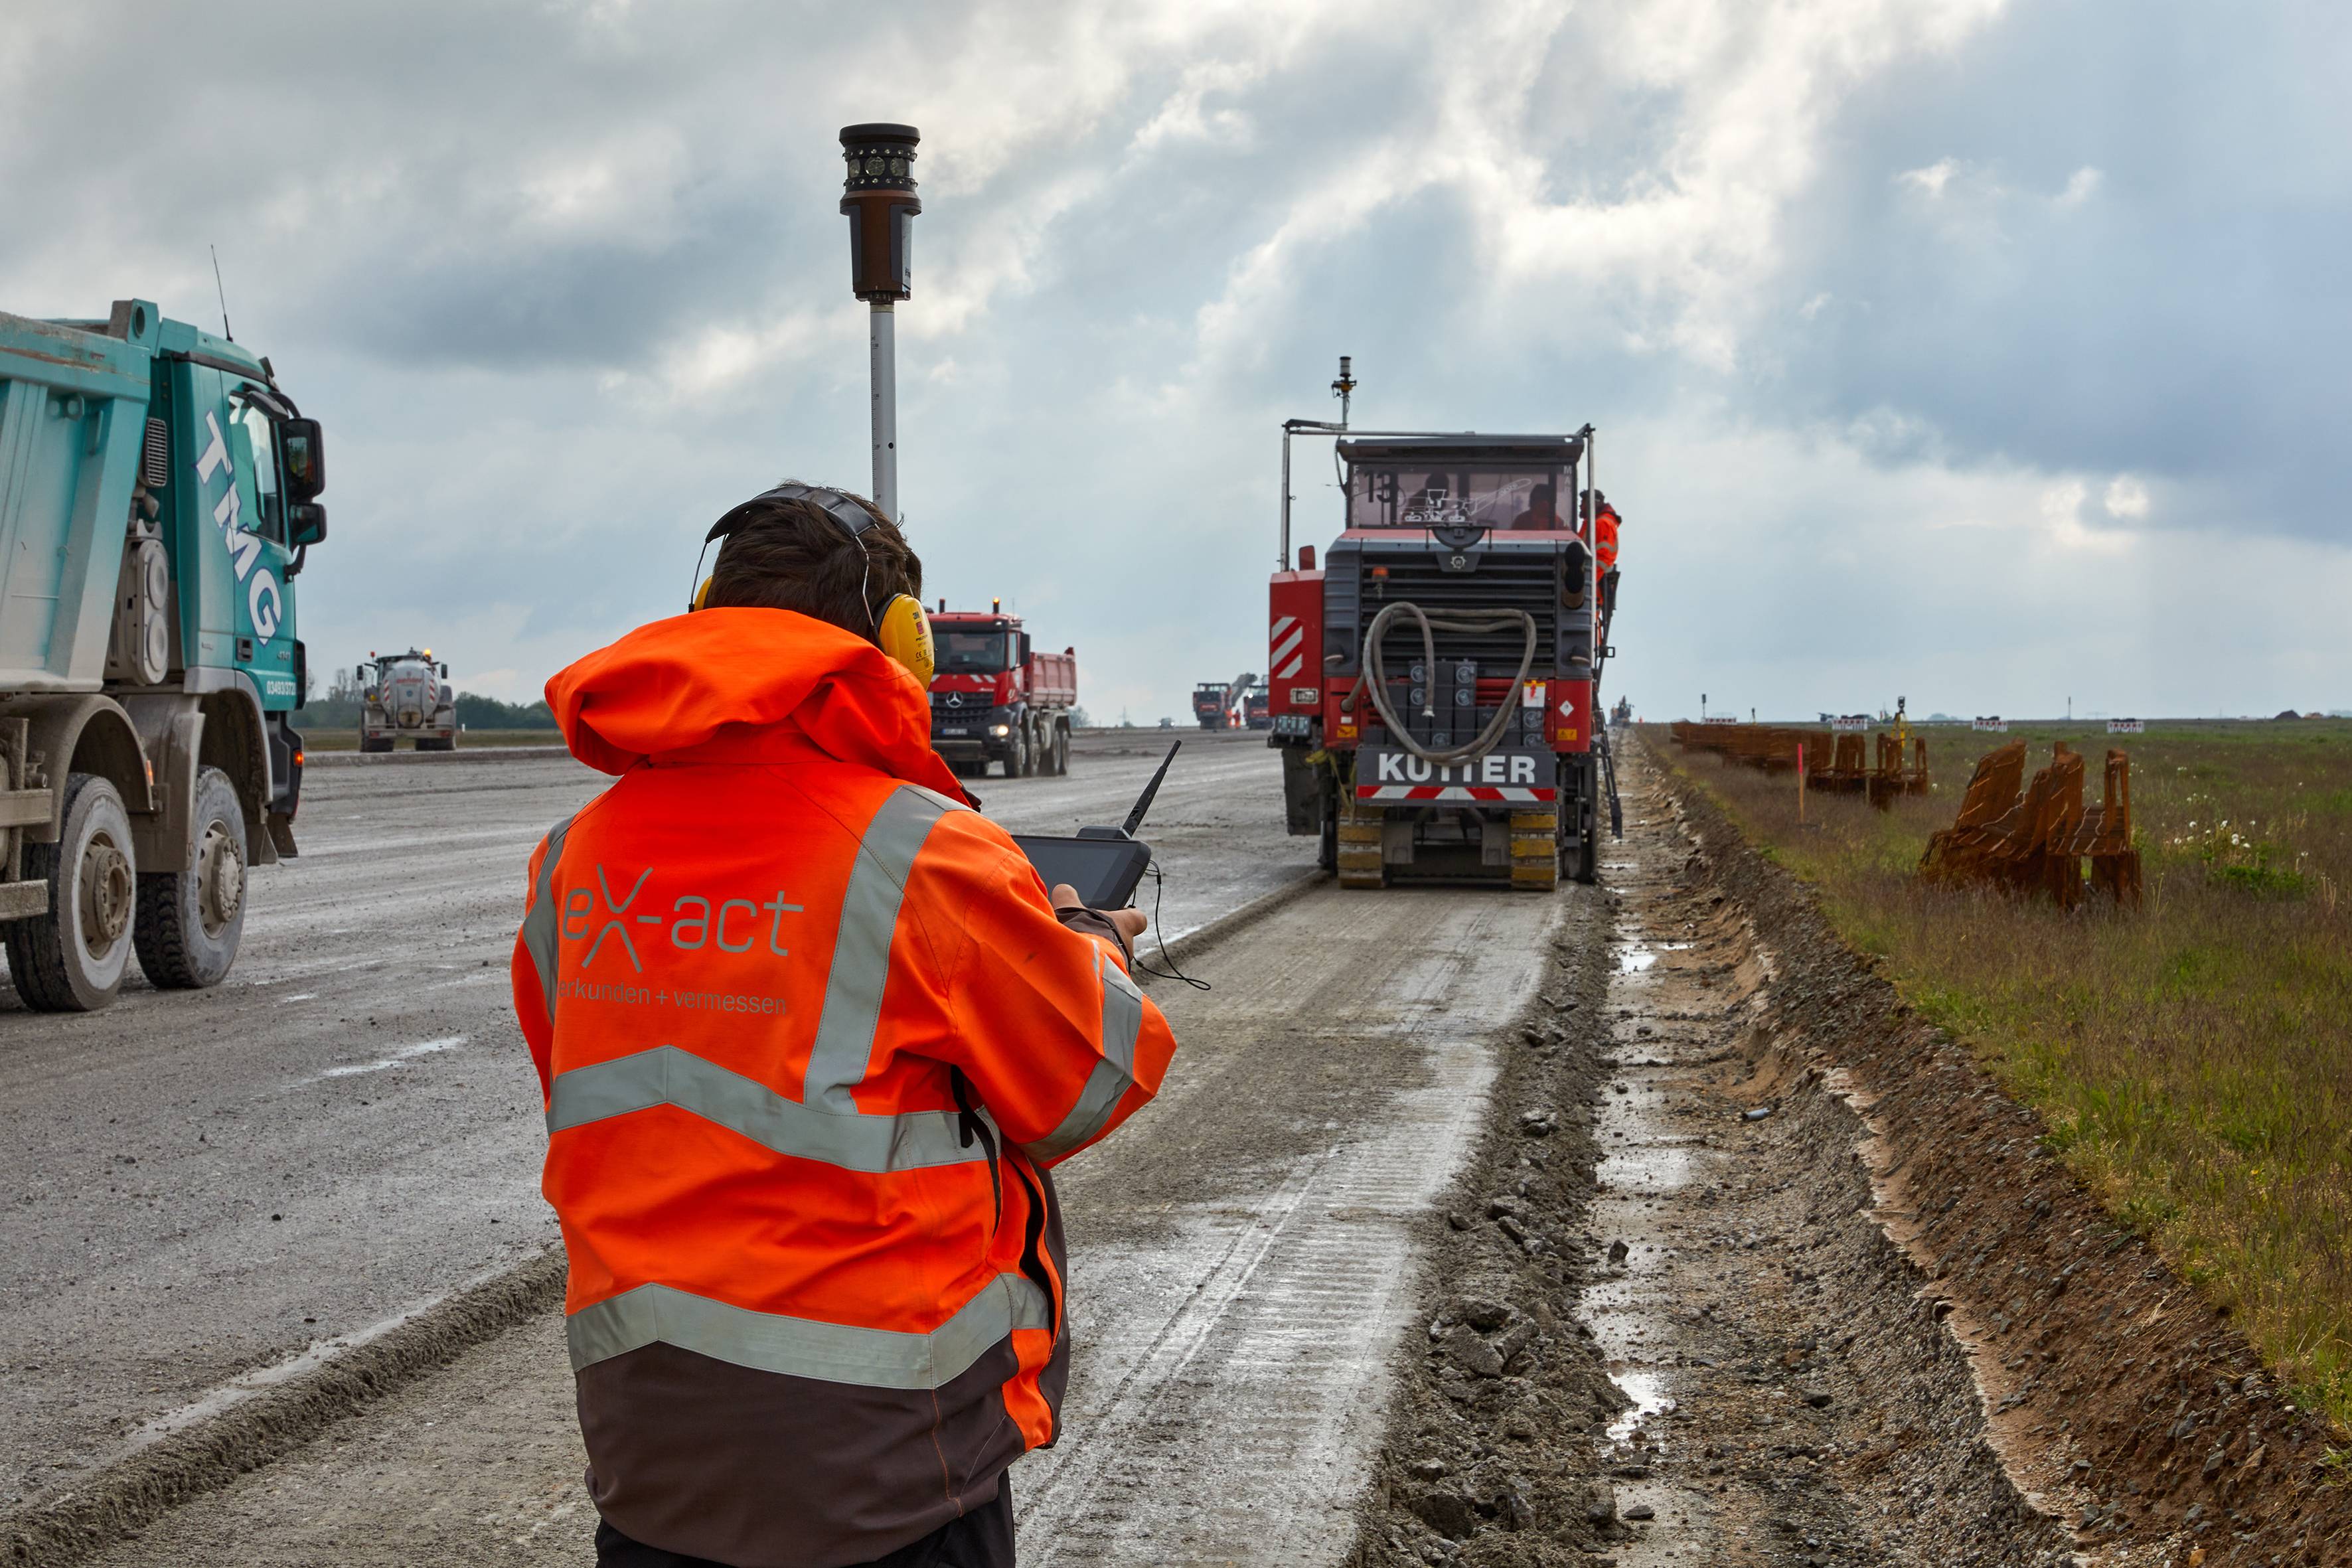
[(810, 1033), (1604, 530)]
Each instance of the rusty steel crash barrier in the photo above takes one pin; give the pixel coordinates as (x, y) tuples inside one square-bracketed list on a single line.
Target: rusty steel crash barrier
[(2035, 839), (1839, 763)]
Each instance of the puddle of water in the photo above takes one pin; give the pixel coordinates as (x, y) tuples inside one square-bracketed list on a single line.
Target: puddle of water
[(1647, 1389), (1650, 1170), (1634, 960)]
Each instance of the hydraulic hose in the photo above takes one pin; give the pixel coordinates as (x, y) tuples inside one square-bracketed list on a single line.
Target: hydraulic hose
[(1375, 673)]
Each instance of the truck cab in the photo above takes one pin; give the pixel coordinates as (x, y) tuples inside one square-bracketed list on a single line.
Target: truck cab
[(996, 699), (158, 498), (406, 695), (1431, 685)]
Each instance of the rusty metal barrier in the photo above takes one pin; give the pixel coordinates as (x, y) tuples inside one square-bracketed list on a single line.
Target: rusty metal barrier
[(1839, 763), (2036, 840)]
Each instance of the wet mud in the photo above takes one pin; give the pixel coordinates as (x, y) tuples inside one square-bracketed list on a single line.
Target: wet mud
[(1668, 1322)]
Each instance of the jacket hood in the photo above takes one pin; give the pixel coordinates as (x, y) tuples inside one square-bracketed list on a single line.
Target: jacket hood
[(736, 681)]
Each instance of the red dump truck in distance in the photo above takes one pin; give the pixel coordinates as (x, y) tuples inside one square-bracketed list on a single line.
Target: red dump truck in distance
[(995, 699)]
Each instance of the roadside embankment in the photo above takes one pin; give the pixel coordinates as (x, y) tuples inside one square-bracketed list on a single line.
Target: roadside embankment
[(2115, 1387), (1664, 1321)]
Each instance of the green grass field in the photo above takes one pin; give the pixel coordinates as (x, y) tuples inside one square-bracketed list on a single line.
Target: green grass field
[(2193, 1060), (347, 740)]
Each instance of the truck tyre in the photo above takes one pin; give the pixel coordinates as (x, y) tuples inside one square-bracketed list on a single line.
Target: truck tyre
[(1017, 755), (1327, 845), (191, 919), (1061, 749), (369, 744), (72, 959)]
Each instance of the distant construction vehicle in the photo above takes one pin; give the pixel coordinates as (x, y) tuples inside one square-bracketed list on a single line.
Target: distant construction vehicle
[(406, 696), (995, 699), (1257, 708), (158, 495), (1435, 683), (1217, 704)]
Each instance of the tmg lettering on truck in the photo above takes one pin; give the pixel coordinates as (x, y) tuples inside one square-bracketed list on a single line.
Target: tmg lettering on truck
[(1402, 767), (730, 924), (262, 599)]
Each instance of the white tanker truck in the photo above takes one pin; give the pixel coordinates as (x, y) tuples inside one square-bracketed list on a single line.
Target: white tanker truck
[(406, 694)]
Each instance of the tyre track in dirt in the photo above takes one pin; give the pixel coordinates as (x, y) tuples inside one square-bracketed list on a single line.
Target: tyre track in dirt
[(1667, 1326)]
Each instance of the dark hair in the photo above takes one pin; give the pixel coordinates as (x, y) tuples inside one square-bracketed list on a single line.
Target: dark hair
[(794, 556), (1542, 493)]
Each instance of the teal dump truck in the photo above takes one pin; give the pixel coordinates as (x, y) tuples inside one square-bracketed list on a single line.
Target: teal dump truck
[(158, 493)]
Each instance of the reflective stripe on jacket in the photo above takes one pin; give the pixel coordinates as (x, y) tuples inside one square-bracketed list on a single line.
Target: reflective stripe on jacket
[(1606, 528), (809, 1035)]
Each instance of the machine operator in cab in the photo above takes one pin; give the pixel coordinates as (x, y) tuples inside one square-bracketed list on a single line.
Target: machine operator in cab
[(811, 1035)]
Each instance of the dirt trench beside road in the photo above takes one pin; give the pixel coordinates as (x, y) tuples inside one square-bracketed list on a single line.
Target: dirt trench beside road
[(204, 1187), (1752, 1268)]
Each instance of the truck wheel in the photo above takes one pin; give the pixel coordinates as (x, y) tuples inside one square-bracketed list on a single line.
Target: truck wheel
[(72, 959), (191, 920), (1017, 755), (368, 743), (1061, 750)]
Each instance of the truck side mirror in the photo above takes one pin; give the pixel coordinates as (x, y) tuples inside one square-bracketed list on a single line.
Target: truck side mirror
[(1025, 647), (360, 675), (305, 452), (307, 522), (445, 672)]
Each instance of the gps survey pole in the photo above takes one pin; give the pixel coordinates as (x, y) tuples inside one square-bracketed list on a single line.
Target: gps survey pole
[(878, 195)]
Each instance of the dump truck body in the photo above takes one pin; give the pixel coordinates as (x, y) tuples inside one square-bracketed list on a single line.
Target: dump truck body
[(997, 699), (1432, 682), (407, 696), (157, 498)]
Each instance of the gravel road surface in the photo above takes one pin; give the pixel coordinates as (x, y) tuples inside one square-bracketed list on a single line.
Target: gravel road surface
[(202, 1187)]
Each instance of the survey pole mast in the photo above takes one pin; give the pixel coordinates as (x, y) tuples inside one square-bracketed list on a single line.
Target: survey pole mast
[(878, 195), (1343, 389)]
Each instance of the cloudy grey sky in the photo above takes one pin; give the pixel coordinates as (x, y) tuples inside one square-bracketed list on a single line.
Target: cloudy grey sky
[(1988, 353)]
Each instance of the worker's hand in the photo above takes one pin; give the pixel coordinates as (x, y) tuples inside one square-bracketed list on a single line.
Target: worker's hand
[(1130, 922)]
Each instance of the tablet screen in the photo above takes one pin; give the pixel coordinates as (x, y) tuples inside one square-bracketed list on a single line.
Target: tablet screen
[(1104, 870)]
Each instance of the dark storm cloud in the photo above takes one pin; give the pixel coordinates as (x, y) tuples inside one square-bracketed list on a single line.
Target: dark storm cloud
[(566, 279), (2125, 253)]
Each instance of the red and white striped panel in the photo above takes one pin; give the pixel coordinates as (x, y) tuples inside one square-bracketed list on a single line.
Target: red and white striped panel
[(1286, 649), (1495, 792)]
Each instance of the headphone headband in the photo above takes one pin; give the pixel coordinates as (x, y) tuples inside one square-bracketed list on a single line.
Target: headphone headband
[(836, 505)]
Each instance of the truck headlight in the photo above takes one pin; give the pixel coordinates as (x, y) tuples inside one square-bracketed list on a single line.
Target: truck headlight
[(999, 730)]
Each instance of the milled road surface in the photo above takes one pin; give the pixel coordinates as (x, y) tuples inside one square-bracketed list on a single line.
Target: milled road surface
[(201, 1184), (1241, 1263)]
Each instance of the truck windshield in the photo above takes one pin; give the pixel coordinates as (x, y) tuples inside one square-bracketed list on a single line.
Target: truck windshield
[(1424, 498), (973, 653)]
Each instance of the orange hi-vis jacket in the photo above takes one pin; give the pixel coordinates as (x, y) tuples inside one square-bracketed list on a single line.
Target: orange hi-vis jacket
[(1605, 544), (809, 1035)]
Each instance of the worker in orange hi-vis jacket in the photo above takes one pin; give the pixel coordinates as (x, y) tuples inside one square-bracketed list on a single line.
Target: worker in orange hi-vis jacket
[(811, 1034), (1604, 529)]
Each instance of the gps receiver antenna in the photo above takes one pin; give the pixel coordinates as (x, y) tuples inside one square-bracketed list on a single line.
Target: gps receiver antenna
[(878, 196)]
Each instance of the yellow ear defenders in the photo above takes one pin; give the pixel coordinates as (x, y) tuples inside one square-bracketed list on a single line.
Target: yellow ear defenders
[(900, 627)]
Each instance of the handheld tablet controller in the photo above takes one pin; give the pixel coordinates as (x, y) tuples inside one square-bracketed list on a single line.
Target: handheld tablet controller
[(1104, 864)]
